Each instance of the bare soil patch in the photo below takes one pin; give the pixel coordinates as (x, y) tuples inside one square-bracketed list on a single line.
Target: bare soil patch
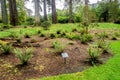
[(44, 63)]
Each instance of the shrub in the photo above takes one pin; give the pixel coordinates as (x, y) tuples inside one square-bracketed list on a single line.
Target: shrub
[(94, 53), (58, 47), (100, 43), (39, 32), (63, 34), (46, 25), (5, 26), (117, 34), (113, 37), (102, 36), (19, 39), (86, 38), (24, 55), (42, 35), (30, 21), (58, 32), (27, 35), (105, 47), (52, 35), (13, 35), (74, 30), (6, 48), (33, 41), (63, 19)]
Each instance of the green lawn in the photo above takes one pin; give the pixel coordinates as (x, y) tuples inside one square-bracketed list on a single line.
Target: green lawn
[(54, 28), (108, 71)]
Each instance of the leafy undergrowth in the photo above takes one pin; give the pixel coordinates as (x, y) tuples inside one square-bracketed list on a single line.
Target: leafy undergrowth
[(53, 29), (108, 71)]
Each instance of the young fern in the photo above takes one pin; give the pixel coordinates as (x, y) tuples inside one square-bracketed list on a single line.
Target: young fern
[(24, 55), (6, 48)]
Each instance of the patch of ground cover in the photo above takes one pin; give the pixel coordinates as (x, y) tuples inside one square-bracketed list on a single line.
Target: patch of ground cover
[(108, 71), (44, 63), (52, 65)]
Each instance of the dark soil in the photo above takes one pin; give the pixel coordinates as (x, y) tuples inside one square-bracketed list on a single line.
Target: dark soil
[(44, 63)]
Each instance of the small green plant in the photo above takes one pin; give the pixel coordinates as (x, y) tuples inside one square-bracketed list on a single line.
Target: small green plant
[(13, 34), (6, 48), (52, 35), (24, 55), (46, 25), (105, 48), (33, 41), (102, 36), (42, 35), (63, 34), (19, 40), (39, 32), (86, 38), (94, 53), (27, 35), (74, 30), (113, 37), (58, 47), (58, 32), (100, 43)]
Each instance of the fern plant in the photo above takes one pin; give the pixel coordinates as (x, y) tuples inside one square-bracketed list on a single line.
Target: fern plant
[(94, 53), (6, 48), (24, 55), (58, 47)]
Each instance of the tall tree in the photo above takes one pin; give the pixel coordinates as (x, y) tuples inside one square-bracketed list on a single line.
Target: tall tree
[(54, 13), (44, 7), (37, 12), (70, 4), (4, 11), (13, 12)]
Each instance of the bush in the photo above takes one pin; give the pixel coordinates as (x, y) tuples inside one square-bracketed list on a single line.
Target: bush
[(5, 26), (33, 41), (6, 48), (58, 47), (113, 37), (52, 35), (63, 19), (24, 55), (19, 39), (105, 48), (58, 32), (30, 21), (46, 25), (86, 38), (117, 34), (100, 43), (27, 35), (117, 21), (94, 52), (102, 36), (42, 35)]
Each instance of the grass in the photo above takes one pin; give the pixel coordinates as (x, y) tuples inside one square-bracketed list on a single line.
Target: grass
[(53, 29), (108, 71)]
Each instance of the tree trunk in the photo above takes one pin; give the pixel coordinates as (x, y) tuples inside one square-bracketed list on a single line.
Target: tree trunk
[(13, 12), (45, 12), (54, 14), (4, 12), (70, 12), (37, 15)]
